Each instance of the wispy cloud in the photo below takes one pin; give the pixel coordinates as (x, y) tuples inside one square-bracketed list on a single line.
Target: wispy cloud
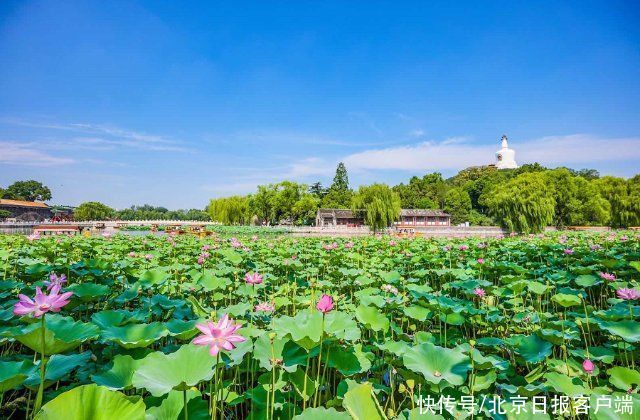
[(272, 137), (99, 137), (12, 153), (369, 122)]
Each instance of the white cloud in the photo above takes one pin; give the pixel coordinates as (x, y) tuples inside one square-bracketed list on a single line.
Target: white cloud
[(17, 154), (578, 148), (417, 133), (458, 153)]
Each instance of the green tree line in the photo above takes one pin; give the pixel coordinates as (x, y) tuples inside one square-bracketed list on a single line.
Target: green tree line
[(523, 200)]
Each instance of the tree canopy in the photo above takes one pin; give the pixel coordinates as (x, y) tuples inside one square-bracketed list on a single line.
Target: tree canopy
[(524, 204), (148, 212), (379, 203), (27, 190), (93, 210)]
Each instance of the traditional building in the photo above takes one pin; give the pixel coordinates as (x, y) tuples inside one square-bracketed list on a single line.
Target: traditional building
[(338, 217), (27, 211), (411, 218), (505, 157), (408, 218)]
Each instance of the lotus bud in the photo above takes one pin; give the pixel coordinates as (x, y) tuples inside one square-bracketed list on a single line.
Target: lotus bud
[(411, 383)]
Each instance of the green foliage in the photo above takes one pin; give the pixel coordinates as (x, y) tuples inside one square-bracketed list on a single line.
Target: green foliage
[(284, 202), (148, 212), (305, 209), (123, 344), (380, 204), (337, 199), (27, 190), (427, 192), (318, 190), (458, 204), (4, 214), (93, 210), (232, 210), (92, 402), (524, 204), (341, 178), (623, 197), (565, 191), (339, 195)]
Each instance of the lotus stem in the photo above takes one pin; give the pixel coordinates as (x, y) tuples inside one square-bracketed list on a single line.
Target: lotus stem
[(40, 394), (315, 397)]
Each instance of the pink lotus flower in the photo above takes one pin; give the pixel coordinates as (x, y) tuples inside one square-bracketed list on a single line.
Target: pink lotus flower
[(607, 276), (595, 247), (264, 307), (253, 278), (293, 257), (568, 251), (33, 237), (480, 260), (206, 247), (148, 257), (325, 304), (200, 260), (132, 254), (254, 238), (392, 243), (220, 336), (42, 303), (348, 245), (464, 247), (482, 245), (588, 366), (628, 294), (55, 280), (479, 292), (446, 248), (389, 289)]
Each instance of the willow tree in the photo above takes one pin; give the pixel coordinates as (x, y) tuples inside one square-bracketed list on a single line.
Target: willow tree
[(624, 197), (380, 205), (232, 210), (523, 204), (93, 210)]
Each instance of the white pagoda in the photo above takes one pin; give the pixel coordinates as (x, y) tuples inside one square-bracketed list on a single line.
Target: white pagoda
[(505, 157)]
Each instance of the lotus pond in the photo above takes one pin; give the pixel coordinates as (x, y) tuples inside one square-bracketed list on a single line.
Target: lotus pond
[(279, 327)]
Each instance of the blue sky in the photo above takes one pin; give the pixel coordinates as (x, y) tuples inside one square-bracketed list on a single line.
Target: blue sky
[(172, 103)]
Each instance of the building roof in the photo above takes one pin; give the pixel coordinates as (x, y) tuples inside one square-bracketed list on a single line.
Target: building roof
[(423, 212), (339, 213), (21, 203), (348, 214)]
